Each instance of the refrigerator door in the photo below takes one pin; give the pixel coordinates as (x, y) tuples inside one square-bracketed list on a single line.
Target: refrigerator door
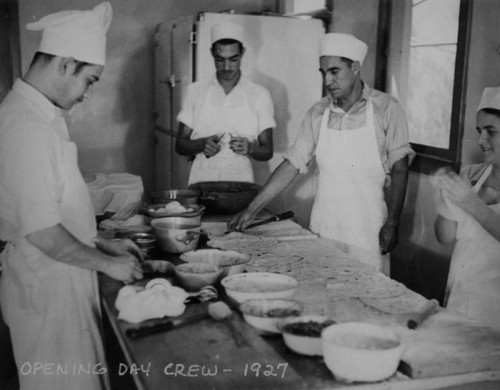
[(282, 56), (174, 51)]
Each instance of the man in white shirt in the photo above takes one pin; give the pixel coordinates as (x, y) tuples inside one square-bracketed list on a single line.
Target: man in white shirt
[(359, 137), (49, 293), (226, 120)]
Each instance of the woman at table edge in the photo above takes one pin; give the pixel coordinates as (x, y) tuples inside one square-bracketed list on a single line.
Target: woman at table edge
[(468, 208)]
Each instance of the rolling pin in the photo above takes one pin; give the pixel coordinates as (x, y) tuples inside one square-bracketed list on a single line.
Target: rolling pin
[(420, 316)]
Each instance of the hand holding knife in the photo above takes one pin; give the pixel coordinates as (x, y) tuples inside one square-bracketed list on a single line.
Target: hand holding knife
[(280, 217), (212, 146)]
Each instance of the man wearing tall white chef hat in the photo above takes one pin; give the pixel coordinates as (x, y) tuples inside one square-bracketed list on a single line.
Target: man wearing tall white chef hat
[(360, 139), (49, 295), (226, 120)]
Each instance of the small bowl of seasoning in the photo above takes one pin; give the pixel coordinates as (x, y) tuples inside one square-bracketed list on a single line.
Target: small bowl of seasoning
[(265, 314), (302, 334)]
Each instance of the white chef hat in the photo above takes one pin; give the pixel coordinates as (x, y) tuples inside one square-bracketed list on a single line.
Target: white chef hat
[(77, 34), (490, 98), (343, 45), (227, 30)]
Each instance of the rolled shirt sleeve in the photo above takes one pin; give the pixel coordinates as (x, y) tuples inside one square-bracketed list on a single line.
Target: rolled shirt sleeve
[(265, 110), (391, 129), (303, 150), (397, 144)]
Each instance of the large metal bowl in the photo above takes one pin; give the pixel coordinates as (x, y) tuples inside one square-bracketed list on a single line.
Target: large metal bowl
[(177, 234), (225, 197)]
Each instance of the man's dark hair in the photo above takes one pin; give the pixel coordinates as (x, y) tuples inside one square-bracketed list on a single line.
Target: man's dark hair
[(492, 111), (45, 58), (348, 61), (227, 41)]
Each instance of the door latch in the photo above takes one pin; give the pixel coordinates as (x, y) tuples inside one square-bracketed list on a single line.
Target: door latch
[(171, 81)]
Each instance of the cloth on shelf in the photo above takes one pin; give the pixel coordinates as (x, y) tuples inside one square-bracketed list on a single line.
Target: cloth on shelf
[(118, 193)]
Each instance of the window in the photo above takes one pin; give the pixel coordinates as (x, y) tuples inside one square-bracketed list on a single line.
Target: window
[(426, 66)]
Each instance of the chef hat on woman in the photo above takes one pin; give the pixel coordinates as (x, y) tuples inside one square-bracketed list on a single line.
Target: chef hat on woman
[(227, 30), (490, 98), (343, 45), (77, 34)]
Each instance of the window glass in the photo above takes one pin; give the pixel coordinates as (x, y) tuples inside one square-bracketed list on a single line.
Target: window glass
[(431, 73)]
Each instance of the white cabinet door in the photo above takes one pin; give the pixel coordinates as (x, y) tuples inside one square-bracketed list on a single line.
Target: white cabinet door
[(282, 55), (173, 73)]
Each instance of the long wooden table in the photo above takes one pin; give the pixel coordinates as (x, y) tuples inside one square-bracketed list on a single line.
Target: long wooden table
[(204, 356)]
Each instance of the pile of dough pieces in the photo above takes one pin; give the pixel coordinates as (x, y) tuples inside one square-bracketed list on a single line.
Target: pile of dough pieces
[(155, 300), (172, 208)]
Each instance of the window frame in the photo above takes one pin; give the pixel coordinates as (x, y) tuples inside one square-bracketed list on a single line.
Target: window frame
[(428, 158)]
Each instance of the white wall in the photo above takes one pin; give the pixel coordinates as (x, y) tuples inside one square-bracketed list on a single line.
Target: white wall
[(360, 18), (114, 131)]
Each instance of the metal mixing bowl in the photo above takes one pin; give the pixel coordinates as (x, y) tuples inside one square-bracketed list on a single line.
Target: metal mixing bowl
[(225, 197)]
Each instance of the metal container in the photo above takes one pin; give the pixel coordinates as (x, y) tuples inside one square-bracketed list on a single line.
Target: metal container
[(184, 196), (146, 243), (225, 197), (177, 234)]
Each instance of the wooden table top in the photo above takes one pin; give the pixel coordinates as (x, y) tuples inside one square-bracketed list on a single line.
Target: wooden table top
[(204, 356)]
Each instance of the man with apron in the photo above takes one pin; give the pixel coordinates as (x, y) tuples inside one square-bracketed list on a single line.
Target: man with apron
[(49, 296), (360, 139), (469, 211), (226, 120)]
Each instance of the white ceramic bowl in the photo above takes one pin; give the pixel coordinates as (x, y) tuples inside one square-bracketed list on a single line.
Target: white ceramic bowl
[(255, 285), (356, 351), (265, 314), (193, 276), (231, 262), (302, 334)]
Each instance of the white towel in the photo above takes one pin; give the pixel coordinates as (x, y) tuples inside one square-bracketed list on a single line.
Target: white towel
[(136, 304)]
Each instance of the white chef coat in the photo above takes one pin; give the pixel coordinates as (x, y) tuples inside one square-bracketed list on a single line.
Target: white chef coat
[(52, 308), (473, 287), (349, 207), (245, 112)]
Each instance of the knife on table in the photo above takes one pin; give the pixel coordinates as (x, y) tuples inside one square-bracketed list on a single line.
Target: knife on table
[(163, 325), (280, 217)]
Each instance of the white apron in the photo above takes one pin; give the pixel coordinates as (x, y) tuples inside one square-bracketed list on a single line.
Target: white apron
[(52, 308), (473, 287), (226, 165), (349, 207)]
